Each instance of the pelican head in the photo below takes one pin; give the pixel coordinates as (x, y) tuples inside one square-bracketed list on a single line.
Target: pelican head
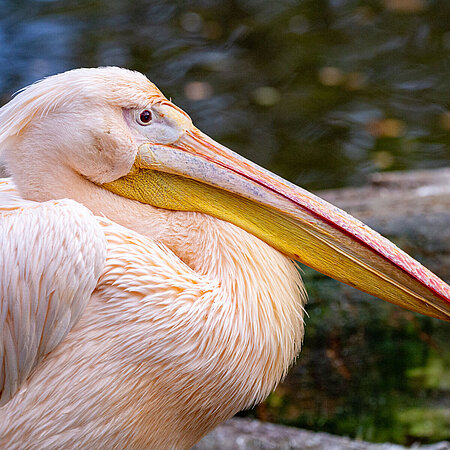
[(86, 121)]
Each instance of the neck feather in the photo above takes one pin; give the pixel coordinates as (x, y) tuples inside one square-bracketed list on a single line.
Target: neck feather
[(247, 324)]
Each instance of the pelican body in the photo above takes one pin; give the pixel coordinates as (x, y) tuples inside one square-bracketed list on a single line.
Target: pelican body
[(147, 277)]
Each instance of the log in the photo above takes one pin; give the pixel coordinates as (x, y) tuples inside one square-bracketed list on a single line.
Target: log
[(410, 208)]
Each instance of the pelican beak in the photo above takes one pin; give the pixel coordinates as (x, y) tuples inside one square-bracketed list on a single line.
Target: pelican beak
[(196, 173)]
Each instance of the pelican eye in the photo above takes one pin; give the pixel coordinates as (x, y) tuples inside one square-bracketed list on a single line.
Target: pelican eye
[(145, 117)]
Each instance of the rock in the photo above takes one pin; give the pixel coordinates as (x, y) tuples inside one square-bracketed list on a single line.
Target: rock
[(248, 434)]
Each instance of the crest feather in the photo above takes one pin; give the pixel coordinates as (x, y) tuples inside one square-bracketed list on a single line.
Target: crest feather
[(113, 84)]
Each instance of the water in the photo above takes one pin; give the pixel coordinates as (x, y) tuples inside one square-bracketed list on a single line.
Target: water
[(322, 92)]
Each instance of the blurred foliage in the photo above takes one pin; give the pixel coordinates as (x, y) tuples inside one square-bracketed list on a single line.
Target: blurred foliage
[(324, 92)]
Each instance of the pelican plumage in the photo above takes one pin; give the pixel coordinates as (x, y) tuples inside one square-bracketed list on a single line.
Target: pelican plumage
[(147, 285)]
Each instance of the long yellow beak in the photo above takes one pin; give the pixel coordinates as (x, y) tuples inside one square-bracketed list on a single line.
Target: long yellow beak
[(197, 174)]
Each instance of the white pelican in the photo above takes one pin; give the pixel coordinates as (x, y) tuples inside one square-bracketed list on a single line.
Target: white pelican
[(148, 291)]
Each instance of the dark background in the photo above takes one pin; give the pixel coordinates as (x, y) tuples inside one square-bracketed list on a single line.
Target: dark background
[(323, 92)]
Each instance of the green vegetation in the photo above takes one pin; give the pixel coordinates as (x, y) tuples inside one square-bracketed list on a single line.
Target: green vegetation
[(368, 370)]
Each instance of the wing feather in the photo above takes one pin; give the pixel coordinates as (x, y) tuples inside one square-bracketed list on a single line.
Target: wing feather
[(51, 256)]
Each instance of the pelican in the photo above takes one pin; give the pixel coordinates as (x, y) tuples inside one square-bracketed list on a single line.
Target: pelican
[(148, 289)]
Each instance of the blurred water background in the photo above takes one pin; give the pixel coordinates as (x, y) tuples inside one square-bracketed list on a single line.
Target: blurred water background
[(323, 92)]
